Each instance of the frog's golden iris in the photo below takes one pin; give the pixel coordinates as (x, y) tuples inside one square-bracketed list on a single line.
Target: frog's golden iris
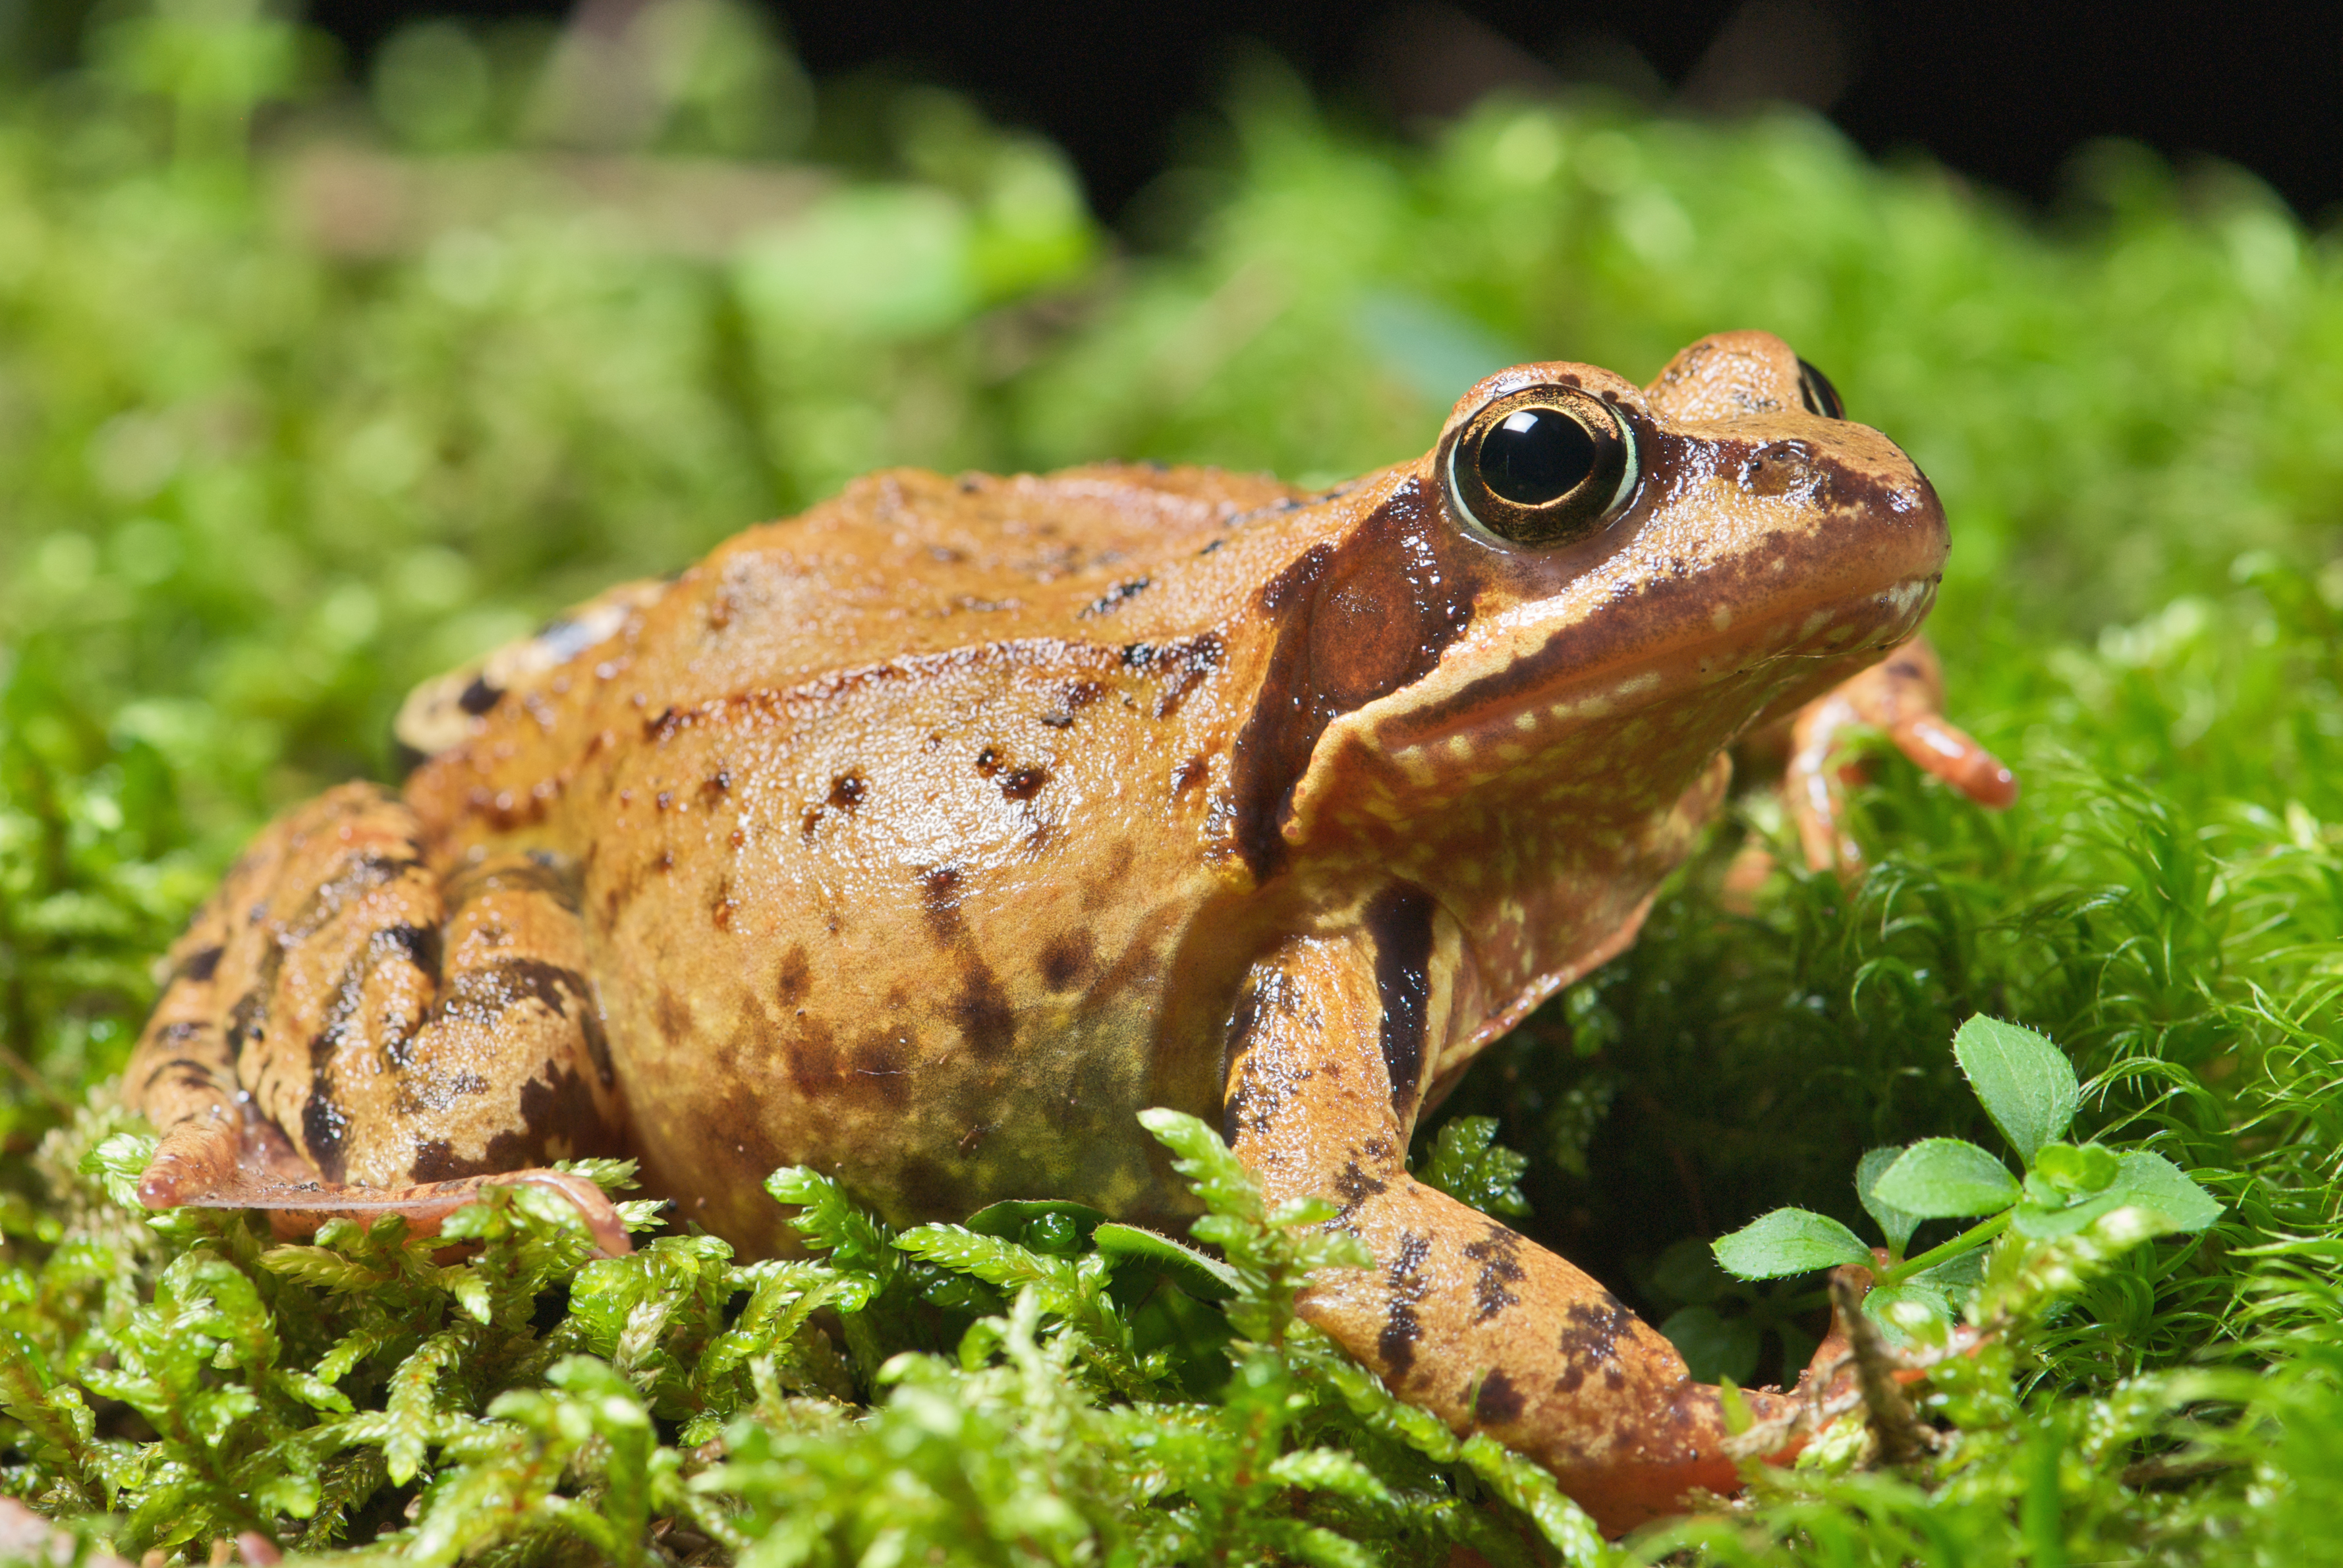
[(1542, 466)]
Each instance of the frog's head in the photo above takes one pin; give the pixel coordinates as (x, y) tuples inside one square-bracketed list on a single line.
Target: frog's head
[(1583, 594)]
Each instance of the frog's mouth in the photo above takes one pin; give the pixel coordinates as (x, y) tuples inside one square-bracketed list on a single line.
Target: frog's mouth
[(1726, 679)]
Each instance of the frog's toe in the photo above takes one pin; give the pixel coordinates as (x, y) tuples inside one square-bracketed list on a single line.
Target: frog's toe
[(1947, 751), (1904, 696), (200, 1179)]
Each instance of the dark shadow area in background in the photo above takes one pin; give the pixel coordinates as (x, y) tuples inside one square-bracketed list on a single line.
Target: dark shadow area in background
[(2001, 91)]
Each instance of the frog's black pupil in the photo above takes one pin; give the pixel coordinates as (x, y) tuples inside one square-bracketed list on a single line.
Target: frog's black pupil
[(1536, 456), (1820, 396)]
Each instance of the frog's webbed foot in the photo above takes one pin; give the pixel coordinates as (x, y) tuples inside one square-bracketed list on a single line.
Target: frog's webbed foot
[(245, 1163), (1459, 1314), (345, 1033), (1902, 695)]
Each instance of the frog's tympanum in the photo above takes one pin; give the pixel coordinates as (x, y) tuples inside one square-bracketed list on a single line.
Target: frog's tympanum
[(926, 838)]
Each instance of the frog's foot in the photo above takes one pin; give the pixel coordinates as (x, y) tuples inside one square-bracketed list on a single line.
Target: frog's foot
[(1459, 1314), (346, 1032), (221, 1165), (1902, 695)]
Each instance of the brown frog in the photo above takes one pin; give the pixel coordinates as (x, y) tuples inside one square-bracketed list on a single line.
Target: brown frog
[(926, 838)]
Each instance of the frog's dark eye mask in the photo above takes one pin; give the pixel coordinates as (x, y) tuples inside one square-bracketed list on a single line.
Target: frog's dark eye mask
[(1545, 466)]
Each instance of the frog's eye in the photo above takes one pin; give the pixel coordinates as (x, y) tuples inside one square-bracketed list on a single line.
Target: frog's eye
[(1815, 391), (1548, 465)]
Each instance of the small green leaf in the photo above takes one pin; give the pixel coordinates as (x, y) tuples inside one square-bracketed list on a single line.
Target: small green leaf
[(1205, 1278), (1894, 1224), (1789, 1241), (1219, 1177), (832, 1222), (1715, 1347), (1328, 1470), (1946, 1178), (1012, 1219), (2151, 1181), (2076, 1168), (2024, 1081)]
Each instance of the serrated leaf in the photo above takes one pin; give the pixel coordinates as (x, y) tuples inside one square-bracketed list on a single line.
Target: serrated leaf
[(1948, 1178), (2153, 1182), (1789, 1241), (1206, 1278), (1530, 1489), (413, 1404), (1894, 1224), (2024, 1081)]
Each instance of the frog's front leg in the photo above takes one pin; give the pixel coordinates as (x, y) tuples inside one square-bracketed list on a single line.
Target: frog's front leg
[(1903, 694), (345, 1032), (1330, 1050)]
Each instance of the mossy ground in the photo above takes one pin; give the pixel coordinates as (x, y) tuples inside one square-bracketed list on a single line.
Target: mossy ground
[(257, 485)]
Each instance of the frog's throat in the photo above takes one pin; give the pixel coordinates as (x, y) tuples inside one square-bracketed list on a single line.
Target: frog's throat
[(1446, 736)]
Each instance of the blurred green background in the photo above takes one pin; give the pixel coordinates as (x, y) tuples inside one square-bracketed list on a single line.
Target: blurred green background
[(311, 387)]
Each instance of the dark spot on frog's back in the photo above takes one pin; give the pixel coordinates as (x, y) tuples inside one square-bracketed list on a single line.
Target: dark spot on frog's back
[(986, 1019), (1024, 783), (815, 1067), (931, 1190), (478, 697), (1178, 666), (1066, 961), (1114, 596), (795, 977), (940, 891), (1591, 1331), (1402, 1327), (672, 1016), (1497, 1253), (1498, 1403)]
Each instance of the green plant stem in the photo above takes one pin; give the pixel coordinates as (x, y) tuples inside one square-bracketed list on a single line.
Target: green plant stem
[(1976, 1236)]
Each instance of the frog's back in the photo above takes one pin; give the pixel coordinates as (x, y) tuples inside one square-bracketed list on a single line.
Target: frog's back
[(908, 869), (902, 562)]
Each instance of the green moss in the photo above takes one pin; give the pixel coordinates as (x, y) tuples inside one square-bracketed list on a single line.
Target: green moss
[(259, 481)]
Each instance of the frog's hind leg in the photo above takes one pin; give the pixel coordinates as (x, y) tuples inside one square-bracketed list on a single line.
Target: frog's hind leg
[(345, 1033)]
